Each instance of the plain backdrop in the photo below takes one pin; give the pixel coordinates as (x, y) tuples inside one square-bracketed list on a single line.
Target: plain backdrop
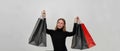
[(18, 18)]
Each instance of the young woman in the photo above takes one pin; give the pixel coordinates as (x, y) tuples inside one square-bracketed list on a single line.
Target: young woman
[(59, 34)]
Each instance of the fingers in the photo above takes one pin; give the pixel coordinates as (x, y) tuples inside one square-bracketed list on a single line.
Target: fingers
[(43, 13), (77, 17), (77, 20)]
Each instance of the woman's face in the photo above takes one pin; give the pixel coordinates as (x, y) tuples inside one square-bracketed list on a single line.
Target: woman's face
[(60, 24)]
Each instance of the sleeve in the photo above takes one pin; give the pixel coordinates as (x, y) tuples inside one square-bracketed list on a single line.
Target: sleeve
[(73, 31), (48, 31)]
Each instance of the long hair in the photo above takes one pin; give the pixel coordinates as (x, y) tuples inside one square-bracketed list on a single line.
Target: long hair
[(64, 27)]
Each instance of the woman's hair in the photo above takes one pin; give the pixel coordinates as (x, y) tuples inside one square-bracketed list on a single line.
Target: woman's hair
[(64, 27)]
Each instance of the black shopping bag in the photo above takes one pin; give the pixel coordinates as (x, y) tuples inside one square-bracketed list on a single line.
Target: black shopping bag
[(38, 36), (78, 40), (82, 39)]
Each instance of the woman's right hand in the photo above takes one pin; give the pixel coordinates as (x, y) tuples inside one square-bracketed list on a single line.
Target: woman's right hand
[(43, 13)]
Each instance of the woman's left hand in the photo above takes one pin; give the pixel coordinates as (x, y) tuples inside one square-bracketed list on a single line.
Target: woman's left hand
[(77, 20)]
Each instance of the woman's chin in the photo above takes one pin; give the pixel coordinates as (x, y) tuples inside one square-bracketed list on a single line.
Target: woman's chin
[(59, 28)]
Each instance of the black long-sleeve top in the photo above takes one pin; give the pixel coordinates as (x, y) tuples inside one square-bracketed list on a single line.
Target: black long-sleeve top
[(59, 37)]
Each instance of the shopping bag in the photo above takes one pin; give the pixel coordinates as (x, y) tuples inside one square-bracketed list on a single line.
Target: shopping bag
[(82, 39), (78, 40), (38, 36), (88, 37)]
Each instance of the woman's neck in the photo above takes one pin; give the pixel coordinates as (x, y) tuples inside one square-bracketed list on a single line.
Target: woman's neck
[(59, 29)]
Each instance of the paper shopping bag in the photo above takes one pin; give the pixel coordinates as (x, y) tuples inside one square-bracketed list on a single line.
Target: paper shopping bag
[(38, 36), (82, 39)]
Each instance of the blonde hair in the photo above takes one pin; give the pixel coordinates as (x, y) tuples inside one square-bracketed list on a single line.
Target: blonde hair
[(64, 27)]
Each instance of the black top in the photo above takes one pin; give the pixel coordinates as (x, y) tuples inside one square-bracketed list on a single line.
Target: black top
[(59, 37)]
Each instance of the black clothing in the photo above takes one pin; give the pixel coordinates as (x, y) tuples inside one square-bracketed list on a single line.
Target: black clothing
[(59, 37)]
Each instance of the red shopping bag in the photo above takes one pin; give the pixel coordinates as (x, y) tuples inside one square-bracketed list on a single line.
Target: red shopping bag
[(89, 39)]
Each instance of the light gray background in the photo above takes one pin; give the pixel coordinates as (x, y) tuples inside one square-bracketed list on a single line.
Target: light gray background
[(18, 17)]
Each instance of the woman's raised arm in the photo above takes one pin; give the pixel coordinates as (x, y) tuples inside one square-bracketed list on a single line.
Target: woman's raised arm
[(43, 14), (76, 21)]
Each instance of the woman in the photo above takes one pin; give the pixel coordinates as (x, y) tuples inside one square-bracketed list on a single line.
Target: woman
[(59, 34)]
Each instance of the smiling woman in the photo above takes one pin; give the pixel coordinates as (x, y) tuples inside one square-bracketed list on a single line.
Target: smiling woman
[(18, 17), (59, 34), (61, 24)]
